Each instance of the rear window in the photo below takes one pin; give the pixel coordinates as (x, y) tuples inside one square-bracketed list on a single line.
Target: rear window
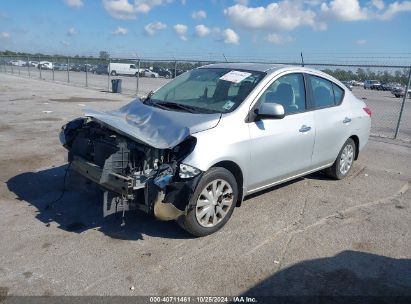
[(338, 94), (325, 93)]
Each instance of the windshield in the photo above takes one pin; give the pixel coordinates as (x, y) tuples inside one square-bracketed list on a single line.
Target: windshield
[(207, 90)]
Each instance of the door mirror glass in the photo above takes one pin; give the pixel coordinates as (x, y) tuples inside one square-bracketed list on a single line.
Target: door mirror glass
[(270, 111)]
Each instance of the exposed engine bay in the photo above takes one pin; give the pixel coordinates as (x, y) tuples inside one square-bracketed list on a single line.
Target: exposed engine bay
[(133, 175)]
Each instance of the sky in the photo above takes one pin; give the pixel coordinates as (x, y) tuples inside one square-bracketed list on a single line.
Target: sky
[(209, 29)]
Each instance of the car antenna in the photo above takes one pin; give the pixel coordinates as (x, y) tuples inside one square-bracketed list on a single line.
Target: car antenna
[(225, 58), (302, 59)]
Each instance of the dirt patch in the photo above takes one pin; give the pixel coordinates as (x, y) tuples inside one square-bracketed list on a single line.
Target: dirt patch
[(46, 245), (4, 127), (362, 246), (80, 99), (27, 274), (3, 293)]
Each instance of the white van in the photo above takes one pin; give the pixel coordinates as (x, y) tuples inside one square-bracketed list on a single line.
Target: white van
[(123, 69)]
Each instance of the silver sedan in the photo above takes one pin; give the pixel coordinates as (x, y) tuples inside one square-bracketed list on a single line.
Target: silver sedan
[(192, 150)]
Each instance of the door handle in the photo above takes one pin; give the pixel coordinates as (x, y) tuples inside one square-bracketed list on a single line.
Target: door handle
[(304, 129), (346, 120)]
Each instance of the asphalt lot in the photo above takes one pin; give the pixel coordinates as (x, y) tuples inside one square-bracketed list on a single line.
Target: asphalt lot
[(385, 107), (312, 236)]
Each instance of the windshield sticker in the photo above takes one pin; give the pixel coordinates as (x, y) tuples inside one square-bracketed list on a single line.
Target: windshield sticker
[(228, 105), (235, 76)]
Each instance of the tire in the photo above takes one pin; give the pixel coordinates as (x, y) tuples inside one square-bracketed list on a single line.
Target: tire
[(113, 73), (167, 76), (347, 154), (198, 224), (153, 76)]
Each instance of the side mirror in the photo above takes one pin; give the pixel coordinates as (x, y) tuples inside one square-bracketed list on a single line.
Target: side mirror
[(270, 111)]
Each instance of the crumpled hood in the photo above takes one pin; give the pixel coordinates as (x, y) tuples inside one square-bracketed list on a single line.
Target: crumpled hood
[(156, 127)]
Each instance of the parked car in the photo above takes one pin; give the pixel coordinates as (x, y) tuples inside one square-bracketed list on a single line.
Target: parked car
[(347, 84), (395, 85), (91, 68), (148, 73), (177, 72), (194, 148), (101, 69), (400, 92), (60, 66), (76, 67), (123, 69), (45, 65), (19, 63), (163, 72), (356, 83), (372, 84)]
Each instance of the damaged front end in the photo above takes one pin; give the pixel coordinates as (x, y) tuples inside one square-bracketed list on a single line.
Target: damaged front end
[(132, 174)]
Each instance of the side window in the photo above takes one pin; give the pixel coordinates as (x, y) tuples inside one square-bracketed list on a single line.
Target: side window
[(338, 94), (132, 66), (289, 91), (322, 92)]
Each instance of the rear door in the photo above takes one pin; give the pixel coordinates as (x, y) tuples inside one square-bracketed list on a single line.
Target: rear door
[(282, 148), (332, 119)]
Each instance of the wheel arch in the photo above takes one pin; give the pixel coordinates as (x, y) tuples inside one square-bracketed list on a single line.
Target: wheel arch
[(237, 173), (356, 140)]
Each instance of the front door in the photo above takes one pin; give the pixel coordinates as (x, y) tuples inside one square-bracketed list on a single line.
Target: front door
[(282, 148)]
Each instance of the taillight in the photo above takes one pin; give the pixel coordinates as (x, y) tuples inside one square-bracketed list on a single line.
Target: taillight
[(367, 110)]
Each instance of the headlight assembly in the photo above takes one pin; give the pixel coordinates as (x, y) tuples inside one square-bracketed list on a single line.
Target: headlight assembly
[(187, 171)]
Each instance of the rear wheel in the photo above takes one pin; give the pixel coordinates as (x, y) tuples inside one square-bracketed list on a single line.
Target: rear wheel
[(113, 73), (212, 203), (344, 162)]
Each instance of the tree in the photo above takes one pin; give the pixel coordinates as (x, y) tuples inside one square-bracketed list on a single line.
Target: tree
[(104, 55)]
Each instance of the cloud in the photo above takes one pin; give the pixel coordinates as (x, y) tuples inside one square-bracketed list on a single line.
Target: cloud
[(120, 31), (5, 35), (74, 3), (395, 8), (152, 28), (284, 15), (231, 37), (345, 10), (278, 39), (351, 10), (181, 31), (123, 9), (71, 31), (183, 2), (201, 30), (361, 42), (64, 43), (199, 14), (119, 9), (379, 4)]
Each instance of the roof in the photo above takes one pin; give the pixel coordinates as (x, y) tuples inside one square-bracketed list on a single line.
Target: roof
[(259, 67)]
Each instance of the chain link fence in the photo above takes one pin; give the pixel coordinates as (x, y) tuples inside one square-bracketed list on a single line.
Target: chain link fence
[(391, 114)]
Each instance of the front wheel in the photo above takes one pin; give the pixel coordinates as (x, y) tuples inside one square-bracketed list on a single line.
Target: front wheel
[(212, 203), (113, 73), (344, 162)]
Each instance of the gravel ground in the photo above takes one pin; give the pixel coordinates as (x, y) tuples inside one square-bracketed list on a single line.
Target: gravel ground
[(311, 236)]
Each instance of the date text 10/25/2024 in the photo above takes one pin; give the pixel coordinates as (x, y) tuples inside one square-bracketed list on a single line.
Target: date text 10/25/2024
[(203, 299)]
